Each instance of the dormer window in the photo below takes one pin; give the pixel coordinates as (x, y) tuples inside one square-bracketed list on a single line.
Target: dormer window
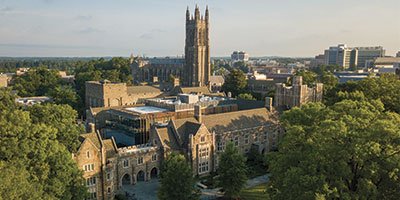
[(203, 138)]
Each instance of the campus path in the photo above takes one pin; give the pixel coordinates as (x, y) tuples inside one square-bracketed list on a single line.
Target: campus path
[(214, 193)]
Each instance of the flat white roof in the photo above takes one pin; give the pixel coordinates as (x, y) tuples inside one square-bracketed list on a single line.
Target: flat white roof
[(146, 109)]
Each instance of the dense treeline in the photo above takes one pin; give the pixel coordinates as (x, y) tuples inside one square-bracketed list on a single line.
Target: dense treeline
[(60, 65), (35, 154), (346, 148)]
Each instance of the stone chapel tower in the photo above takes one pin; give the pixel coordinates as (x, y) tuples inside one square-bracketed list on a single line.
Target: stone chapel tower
[(197, 50)]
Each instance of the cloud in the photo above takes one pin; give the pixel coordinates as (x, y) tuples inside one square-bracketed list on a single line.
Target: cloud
[(151, 34), (84, 17), (6, 10), (52, 46), (89, 30)]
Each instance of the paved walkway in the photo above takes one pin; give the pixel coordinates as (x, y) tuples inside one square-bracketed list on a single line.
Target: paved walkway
[(214, 193), (148, 190), (142, 190)]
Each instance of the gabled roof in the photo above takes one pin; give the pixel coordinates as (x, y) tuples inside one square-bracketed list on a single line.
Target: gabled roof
[(185, 128), (231, 121), (92, 137), (168, 139)]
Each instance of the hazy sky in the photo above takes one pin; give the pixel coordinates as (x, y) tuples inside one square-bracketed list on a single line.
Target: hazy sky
[(157, 27)]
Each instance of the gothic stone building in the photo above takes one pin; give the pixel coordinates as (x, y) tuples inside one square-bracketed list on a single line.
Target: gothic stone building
[(193, 70), (107, 94), (200, 139), (297, 94)]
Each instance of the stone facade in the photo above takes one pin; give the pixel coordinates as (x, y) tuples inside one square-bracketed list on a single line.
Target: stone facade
[(107, 94), (201, 139), (145, 69), (3, 80), (95, 157), (297, 94), (197, 50)]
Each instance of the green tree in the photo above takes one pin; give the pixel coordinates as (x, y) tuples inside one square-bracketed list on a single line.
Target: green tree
[(33, 149), (63, 118), (176, 178), (246, 96), (309, 77), (232, 172), (36, 82), (65, 95), (349, 150), (235, 83), (386, 88)]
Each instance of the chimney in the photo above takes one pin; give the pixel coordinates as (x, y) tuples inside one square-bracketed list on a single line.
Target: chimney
[(197, 113), (92, 128), (268, 103), (176, 82)]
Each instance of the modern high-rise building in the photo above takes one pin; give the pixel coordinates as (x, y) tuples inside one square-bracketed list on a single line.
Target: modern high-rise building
[(364, 54), (339, 55), (350, 57)]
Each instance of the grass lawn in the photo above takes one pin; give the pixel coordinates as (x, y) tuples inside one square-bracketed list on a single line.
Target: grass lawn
[(255, 193)]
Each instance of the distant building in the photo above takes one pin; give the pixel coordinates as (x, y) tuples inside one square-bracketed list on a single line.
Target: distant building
[(216, 83), (364, 54), (297, 94), (28, 101), (350, 57), (396, 67), (318, 60), (239, 56), (3, 80), (383, 62)]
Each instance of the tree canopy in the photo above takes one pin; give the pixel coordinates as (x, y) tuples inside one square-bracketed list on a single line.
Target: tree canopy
[(176, 178), (36, 82), (386, 88), (349, 150), (33, 155), (232, 172)]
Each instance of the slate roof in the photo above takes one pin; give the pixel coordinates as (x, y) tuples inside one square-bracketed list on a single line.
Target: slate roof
[(142, 89), (231, 121), (168, 139), (92, 137), (202, 90)]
